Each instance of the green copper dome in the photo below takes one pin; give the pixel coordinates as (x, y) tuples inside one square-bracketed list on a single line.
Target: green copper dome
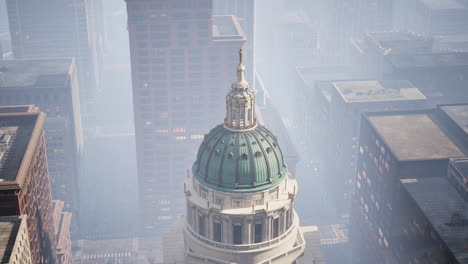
[(239, 161)]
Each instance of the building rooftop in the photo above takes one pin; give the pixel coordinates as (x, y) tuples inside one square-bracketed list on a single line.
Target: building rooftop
[(227, 27), (453, 38), (387, 42), (17, 130), (18, 109), (415, 135), (374, 91), (9, 227), (461, 165), (443, 4), (445, 209), (429, 60), (310, 75), (35, 73), (458, 113)]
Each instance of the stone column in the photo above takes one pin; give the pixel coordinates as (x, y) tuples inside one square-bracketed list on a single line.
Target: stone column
[(246, 231), (283, 221)]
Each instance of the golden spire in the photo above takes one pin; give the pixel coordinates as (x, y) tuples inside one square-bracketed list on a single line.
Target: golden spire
[(240, 56)]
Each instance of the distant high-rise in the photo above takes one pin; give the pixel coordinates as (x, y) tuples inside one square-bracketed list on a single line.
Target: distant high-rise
[(14, 240), (24, 185), (181, 56), (51, 85), (244, 10), (57, 29), (431, 17), (341, 20), (440, 75)]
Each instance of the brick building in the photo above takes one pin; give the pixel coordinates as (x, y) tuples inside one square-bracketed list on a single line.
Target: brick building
[(14, 241), (51, 85), (181, 57), (25, 187), (62, 222)]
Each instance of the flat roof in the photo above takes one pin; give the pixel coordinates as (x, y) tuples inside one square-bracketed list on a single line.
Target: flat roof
[(9, 228), (442, 206), (442, 4), (458, 113), (17, 131), (227, 27), (398, 40), (391, 42), (429, 60), (17, 109), (414, 136), (375, 91), (38, 73), (453, 38)]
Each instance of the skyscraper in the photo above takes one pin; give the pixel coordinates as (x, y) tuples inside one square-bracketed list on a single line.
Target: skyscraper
[(244, 10), (240, 197), (51, 85), (24, 185), (14, 240), (180, 58), (58, 29)]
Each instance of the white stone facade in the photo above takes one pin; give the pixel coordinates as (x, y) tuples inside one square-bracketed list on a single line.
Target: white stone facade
[(257, 227)]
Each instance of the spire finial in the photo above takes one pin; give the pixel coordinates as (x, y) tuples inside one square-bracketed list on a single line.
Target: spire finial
[(240, 56), (240, 102)]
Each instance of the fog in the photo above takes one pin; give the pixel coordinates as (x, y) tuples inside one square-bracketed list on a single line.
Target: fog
[(307, 60)]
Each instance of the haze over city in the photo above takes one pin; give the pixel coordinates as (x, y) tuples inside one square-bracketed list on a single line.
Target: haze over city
[(233, 131)]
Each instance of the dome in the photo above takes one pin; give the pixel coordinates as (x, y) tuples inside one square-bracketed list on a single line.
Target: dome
[(239, 161)]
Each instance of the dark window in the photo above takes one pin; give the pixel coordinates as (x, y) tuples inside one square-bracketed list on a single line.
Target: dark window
[(201, 225), (237, 237), (217, 231), (275, 227), (288, 218), (258, 233)]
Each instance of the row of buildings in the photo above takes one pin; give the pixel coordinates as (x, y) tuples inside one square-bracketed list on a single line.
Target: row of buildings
[(34, 228), (44, 58), (389, 117)]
